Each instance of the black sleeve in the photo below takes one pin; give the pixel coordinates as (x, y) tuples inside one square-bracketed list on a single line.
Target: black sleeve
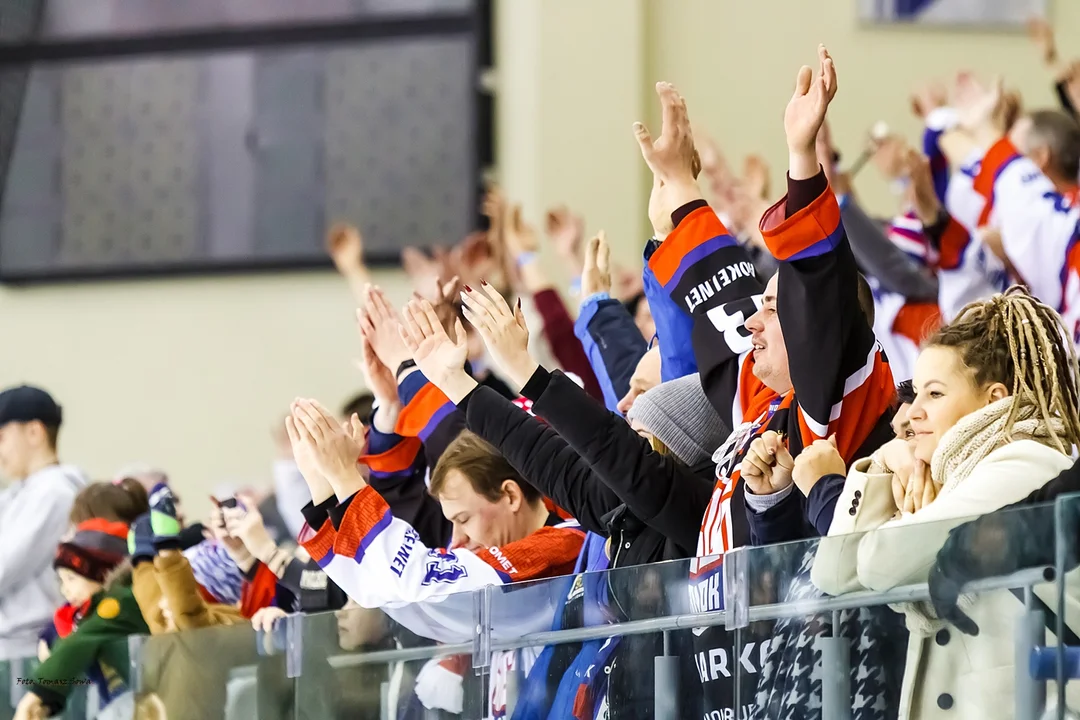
[(290, 579), (541, 456), (842, 383), (821, 502), (660, 491), (1064, 99), (879, 256)]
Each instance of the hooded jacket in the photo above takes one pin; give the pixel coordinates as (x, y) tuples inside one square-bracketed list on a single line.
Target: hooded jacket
[(34, 514)]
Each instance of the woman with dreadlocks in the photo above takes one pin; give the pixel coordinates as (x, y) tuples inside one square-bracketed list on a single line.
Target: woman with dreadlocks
[(995, 417)]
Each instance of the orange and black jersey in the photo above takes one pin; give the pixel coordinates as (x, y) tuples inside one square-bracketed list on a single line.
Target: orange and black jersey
[(841, 381)]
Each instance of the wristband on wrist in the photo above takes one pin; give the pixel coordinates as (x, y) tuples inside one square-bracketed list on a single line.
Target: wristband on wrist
[(525, 258), (403, 367)]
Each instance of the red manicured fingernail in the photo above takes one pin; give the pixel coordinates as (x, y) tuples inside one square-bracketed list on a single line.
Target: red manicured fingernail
[(519, 303), (468, 289), (483, 281)]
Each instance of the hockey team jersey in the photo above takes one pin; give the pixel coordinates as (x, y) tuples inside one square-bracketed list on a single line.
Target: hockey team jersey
[(1038, 225), (382, 561), (843, 386)]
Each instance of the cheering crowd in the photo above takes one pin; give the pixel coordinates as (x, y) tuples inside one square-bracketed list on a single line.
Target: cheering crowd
[(780, 370)]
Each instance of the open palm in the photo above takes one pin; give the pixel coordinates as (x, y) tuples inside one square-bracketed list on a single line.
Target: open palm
[(806, 110), (437, 356)]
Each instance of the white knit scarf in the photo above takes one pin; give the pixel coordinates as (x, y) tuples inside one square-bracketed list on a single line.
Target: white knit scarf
[(963, 447)]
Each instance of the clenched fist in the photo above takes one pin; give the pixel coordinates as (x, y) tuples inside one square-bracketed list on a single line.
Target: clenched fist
[(767, 466), (815, 462)]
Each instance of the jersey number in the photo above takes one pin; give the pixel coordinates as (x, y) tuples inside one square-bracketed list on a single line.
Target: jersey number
[(730, 319)]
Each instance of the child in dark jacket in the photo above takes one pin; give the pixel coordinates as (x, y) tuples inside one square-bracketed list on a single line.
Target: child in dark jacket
[(92, 642)]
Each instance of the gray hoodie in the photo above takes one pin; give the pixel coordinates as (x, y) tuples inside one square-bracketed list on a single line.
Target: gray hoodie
[(34, 515)]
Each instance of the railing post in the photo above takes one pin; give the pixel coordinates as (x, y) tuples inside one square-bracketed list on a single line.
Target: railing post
[(16, 690), (1030, 634), (384, 702), (666, 683), (136, 644), (835, 673), (736, 609), (736, 589), (513, 684), (294, 645), (481, 652)]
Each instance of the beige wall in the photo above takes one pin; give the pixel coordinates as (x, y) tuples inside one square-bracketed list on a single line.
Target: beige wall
[(736, 63), (190, 374), (186, 374)]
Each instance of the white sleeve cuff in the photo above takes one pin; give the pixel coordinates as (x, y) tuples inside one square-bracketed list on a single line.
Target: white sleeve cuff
[(942, 119), (761, 503)]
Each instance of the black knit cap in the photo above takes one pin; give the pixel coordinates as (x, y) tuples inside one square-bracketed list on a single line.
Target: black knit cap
[(97, 547), (26, 403)]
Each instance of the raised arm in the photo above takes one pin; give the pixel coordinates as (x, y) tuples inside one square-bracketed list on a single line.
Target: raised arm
[(656, 488), (842, 383), (1038, 230), (533, 448), (699, 267), (380, 561), (346, 247), (610, 338)]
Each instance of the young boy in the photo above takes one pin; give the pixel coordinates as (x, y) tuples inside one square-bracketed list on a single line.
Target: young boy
[(93, 582)]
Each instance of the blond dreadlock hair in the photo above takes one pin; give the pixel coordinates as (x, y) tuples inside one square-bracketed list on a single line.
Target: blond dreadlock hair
[(1014, 339)]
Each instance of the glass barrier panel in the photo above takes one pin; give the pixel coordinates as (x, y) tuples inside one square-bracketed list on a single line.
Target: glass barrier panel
[(1063, 663), (851, 629), (100, 688), (410, 661), (211, 672), (614, 643)]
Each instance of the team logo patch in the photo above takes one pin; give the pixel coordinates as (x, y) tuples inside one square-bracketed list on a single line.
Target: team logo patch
[(443, 567), (108, 608)]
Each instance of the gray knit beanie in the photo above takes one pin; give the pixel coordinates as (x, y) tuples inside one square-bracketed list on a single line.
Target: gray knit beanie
[(680, 416)]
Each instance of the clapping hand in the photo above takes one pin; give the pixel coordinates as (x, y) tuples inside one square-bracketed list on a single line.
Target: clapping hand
[(331, 448), (520, 236), (346, 248), (503, 331), (985, 111), (674, 161), (566, 230), (596, 274), (805, 114), (379, 324), (927, 98), (766, 468), (440, 358), (447, 303), (821, 458), (246, 524), (379, 378), (924, 197)]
